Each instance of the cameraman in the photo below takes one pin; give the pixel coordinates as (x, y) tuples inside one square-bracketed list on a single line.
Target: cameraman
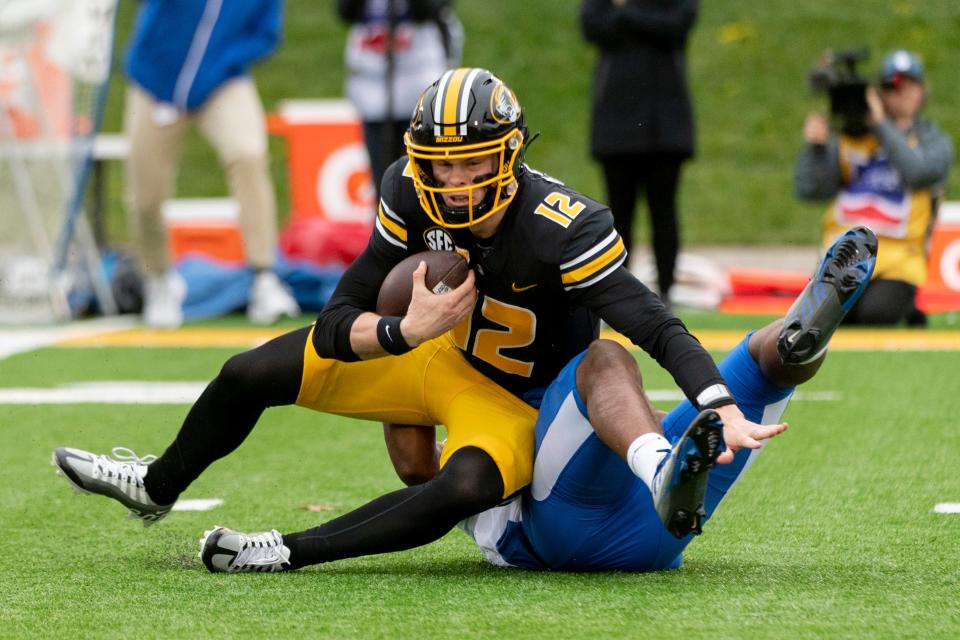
[(890, 178)]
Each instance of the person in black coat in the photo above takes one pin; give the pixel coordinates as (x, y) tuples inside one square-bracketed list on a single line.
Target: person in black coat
[(642, 119)]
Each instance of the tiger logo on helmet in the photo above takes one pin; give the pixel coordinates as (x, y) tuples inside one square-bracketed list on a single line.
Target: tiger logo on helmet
[(467, 113)]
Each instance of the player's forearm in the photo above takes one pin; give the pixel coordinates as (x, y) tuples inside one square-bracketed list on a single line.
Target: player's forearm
[(337, 334), (363, 337), (372, 334)]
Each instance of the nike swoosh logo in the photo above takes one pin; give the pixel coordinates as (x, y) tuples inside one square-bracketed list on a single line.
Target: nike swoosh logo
[(389, 337), (517, 289)]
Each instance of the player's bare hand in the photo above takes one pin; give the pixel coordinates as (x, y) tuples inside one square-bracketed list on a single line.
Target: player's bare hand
[(429, 314), (739, 433), (816, 129)]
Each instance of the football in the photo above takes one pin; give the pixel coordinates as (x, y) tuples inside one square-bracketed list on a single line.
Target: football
[(446, 270)]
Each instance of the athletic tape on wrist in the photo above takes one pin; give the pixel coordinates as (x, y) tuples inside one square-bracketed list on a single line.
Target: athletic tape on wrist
[(716, 395), (389, 336)]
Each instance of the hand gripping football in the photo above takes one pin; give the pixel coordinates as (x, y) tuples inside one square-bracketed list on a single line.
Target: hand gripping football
[(446, 270)]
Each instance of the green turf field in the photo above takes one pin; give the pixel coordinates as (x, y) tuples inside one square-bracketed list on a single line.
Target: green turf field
[(830, 535)]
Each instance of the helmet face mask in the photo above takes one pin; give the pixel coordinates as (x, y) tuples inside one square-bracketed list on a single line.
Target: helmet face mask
[(466, 114)]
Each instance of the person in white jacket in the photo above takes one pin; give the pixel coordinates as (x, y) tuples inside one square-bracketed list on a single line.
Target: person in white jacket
[(394, 49)]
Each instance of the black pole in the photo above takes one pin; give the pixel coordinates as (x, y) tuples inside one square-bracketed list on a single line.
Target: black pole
[(387, 142)]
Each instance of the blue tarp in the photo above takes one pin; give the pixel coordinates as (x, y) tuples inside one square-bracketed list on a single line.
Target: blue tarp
[(215, 288)]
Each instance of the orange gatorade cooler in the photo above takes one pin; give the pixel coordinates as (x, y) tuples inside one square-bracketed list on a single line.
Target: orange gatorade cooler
[(206, 227), (329, 170)]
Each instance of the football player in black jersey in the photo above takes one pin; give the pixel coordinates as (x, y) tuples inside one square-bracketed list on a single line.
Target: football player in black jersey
[(548, 265)]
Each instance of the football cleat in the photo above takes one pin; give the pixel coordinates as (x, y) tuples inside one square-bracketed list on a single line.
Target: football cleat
[(836, 286), (226, 551), (680, 484), (120, 478)]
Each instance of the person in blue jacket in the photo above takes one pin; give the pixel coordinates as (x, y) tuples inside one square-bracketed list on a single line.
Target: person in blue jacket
[(189, 62)]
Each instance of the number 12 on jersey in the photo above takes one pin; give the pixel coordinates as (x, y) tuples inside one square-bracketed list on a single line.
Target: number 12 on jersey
[(559, 208), (519, 328)]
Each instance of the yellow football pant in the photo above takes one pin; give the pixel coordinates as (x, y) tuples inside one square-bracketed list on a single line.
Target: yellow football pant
[(432, 384)]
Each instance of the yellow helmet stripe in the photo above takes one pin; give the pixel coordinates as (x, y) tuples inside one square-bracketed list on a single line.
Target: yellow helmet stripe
[(452, 100)]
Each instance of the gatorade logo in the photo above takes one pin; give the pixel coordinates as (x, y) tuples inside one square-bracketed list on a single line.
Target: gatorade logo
[(344, 188), (950, 265)]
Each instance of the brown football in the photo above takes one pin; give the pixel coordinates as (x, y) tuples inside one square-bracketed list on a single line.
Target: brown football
[(446, 270)]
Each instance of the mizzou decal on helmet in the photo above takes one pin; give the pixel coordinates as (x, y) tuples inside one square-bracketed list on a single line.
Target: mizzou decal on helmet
[(504, 105)]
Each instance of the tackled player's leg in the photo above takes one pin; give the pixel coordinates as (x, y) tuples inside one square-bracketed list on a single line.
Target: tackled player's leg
[(487, 456), (217, 423), (589, 506), (605, 516), (835, 287)]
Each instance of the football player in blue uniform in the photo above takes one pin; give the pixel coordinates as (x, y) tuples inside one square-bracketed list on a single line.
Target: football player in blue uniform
[(587, 510), (547, 266)]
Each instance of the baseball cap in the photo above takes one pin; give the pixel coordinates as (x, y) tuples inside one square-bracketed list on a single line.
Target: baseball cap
[(900, 63)]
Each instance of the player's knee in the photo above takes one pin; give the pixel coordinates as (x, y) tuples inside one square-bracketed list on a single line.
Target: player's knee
[(606, 361), (237, 375), (471, 480)]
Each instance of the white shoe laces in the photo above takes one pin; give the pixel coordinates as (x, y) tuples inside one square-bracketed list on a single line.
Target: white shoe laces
[(261, 550), (125, 465)]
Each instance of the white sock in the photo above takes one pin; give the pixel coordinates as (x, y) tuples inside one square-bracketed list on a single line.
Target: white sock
[(645, 454)]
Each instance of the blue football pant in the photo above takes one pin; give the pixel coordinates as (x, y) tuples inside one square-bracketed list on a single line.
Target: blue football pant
[(587, 511)]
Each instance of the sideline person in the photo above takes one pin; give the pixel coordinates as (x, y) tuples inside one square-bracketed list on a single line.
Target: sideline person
[(891, 178), (189, 64)]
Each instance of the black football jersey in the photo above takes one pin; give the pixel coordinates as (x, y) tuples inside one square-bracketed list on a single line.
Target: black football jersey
[(552, 270)]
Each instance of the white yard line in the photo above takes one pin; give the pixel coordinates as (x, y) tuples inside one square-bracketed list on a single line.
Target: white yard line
[(947, 507), (108, 392), (187, 392), (197, 504), (14, 341)]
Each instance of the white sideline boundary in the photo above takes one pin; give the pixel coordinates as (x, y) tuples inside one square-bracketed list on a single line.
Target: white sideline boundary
[(197, 504)]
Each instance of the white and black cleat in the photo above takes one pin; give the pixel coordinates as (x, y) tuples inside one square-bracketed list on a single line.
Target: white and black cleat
[(120, 478), (224, 550)]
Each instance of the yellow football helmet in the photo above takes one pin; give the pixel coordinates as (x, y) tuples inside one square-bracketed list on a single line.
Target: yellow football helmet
[(467, 113)]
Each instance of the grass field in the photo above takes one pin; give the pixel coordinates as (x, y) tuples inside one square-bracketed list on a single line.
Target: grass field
[(748, 66), (830, 535)]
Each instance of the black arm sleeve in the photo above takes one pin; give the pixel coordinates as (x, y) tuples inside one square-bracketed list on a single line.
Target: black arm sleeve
[(355, 293), (630, 308)]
